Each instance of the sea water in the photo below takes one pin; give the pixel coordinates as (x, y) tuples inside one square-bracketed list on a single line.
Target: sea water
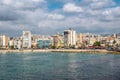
[(59, 66)]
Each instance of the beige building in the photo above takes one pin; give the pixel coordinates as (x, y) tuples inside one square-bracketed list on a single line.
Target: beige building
[(18, 42), (79, 40), (118, 39), (11, 43), (57, 40), (3, 41)]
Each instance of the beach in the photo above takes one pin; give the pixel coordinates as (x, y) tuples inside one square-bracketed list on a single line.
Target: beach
[(61, 50)]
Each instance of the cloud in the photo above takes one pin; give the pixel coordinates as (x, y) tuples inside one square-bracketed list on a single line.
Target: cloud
[(7, 14), (98, 4), (41, 16), (24, 4), (70, 7), (7, 2), (38, 0), (56, 16)]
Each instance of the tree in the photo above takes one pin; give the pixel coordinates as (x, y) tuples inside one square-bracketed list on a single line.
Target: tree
[(97, 43), (11, 47), (114, 42)]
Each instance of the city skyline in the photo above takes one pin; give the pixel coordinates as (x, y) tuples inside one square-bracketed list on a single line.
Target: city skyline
[(49, 17)]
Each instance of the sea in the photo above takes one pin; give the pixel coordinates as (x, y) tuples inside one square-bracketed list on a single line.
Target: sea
[(59, 66)]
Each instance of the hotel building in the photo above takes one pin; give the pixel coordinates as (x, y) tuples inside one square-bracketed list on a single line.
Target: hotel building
[(69, 38), (26, 39)]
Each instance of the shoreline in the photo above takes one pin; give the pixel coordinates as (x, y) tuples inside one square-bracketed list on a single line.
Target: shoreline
[(61, 50)]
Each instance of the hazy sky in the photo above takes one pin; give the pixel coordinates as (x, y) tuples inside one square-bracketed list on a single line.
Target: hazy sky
[(52, 16)]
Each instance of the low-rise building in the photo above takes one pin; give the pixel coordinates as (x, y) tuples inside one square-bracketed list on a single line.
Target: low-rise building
[(43, 44)]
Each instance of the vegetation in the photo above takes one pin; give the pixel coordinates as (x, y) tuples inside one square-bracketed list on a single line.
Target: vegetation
[(11, 47), (53, 47), (114, 42), (97, 43)]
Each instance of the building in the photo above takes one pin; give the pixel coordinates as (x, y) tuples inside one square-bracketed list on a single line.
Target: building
[(11, 43), (43, 44), (26, 39), (118, 39), (17, 43), (3, 41), (79, 40), (57, 40), (90, 38), (69, 38), (39, 40), (34, 39)]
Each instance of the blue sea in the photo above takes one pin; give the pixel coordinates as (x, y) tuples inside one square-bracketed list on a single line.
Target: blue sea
[(59, 66)]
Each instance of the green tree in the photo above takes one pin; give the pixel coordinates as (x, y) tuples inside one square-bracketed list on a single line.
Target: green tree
[(11, 47), (53, 47), (97, 43), (114, 42)]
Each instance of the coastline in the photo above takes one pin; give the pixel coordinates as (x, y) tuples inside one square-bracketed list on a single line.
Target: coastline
[(61, 50)]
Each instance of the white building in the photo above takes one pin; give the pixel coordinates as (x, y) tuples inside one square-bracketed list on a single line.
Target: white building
[(69, 37), (26, 39)]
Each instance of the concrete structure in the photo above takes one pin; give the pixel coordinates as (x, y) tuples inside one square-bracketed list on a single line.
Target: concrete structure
[(57, 40), (79, 40), (43, 44), (18, 43), (3, 41), (39, 40), (90, 38), (11, 43), (69, 38), (26, 39), (118, 39)]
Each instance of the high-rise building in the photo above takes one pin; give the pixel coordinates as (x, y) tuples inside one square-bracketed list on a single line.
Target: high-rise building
[(26, 39), (3, 41), (69, 38)]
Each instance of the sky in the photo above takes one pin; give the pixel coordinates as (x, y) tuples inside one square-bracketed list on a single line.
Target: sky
[(49, 17)]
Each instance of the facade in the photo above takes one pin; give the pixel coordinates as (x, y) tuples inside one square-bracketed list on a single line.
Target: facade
[(90, 38), (118, 39), (18, 43), (79, 40), (38, 40), (3, 41), (43, 44), (34, 40), (110, 40), (26, 39), (11, 43), (69, 38), (57, 40)]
